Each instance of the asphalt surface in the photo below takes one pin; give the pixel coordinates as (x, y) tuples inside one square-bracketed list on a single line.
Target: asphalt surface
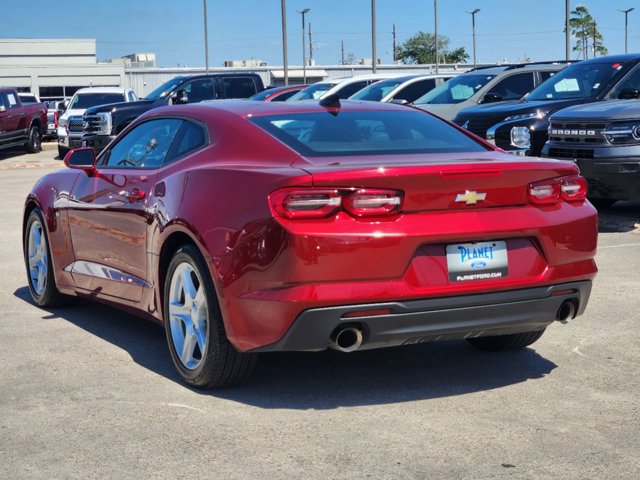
[(90, 392)]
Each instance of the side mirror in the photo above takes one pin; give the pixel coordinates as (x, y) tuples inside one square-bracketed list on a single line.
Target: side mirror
[(61, 107), (399, 101), (492, 97), (81, 159), (629, 94), (181, 97)]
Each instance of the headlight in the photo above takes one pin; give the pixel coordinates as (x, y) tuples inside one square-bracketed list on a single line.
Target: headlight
[(62, 123), (539, 114), (622, 133), (99, 123), (521, 137)]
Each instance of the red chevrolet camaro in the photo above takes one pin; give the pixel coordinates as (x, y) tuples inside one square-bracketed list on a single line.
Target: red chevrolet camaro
[(248, 227)]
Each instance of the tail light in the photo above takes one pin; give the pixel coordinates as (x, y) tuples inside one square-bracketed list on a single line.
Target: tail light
[(55, 118), (572, 188), (322, 203)]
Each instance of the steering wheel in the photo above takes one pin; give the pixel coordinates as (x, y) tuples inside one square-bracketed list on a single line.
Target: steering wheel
[(135, 156), (126, 161)]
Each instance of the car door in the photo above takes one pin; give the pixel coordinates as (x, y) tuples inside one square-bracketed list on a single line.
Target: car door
[(11, 119), (199, 90), (514, 87), (110, 209)]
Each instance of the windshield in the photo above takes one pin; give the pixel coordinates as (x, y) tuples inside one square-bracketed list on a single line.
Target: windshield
[(312, 92), (165, 89), (456, 90), (86, 100), (366, 133), (376, 91), (577, 81)]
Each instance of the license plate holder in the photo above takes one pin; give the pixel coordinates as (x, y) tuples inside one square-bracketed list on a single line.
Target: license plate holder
[(477, 261)]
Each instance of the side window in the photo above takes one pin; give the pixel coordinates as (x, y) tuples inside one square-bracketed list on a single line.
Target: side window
[(631, 81), (4, 102), (11, 101), (283, 96), (415, 90), (146, 146), (239, 87), (352, 88), (190, 137), (514, 86), (199, 90), (546, 75)]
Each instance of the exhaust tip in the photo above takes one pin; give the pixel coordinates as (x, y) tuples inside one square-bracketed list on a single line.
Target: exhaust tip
[(567, 311), (346, 340)]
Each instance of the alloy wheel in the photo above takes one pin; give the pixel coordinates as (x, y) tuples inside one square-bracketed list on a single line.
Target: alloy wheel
[(37, 257), (188, 316)]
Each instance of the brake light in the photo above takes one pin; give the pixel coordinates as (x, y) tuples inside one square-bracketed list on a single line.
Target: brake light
[(372, 203), (572, 188), (322, 203)]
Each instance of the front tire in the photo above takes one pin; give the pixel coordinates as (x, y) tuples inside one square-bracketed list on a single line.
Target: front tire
[(37, 257), (506, 342), (62, 152), (34, 141), (197, 340)]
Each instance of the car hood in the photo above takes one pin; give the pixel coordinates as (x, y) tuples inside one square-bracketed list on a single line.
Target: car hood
[(610, 110), (518, 107), (121, 105), (444, 110), (76, 112)]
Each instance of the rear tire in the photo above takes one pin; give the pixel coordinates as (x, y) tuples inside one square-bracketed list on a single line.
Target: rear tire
[(506, 342), (200, 349), (34, 141), (37, 258), (62, 152)]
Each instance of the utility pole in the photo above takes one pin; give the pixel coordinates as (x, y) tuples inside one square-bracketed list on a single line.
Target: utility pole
[(393, 33), (310, 46), (435, 15), (285, 66), (373, 35), (206, 40), (626, 15), (567, 32), (342, 50), (473, 25), (304, 48)]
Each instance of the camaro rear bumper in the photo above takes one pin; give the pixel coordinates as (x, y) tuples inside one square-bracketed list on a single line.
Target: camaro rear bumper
[(418, 321)]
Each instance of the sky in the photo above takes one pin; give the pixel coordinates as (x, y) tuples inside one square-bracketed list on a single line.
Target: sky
[(508, 30)]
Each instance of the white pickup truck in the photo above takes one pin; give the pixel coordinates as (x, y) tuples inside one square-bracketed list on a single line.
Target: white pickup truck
[(70, 123)]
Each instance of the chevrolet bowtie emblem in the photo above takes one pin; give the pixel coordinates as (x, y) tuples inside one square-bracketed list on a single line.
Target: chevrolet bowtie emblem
[(470, 197)]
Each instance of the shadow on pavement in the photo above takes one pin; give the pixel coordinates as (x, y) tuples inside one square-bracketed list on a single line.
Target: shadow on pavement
[(329, 379), (621, 217)]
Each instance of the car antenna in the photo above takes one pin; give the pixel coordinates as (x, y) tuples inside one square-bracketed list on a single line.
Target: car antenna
[(333, 102)]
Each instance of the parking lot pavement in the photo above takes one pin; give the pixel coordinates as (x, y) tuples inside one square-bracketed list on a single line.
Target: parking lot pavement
[(18, 158), (90, 392)]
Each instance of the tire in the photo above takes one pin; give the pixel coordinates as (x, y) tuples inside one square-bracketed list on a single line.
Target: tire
[(197, 340), (506, 342), (34, 141), (602, 203), (37, 258), (62, 152)]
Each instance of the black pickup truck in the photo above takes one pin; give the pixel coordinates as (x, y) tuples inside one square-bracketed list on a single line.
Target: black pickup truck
[(103, 123), (521, 126), (604, 140)]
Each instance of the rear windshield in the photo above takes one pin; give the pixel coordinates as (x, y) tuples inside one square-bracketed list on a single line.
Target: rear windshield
[(312, 92), (323, 134), (376, 91), (456, 90), (86, 100), (577, 81)]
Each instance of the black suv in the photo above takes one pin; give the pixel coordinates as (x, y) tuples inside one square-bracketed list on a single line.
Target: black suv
[(521, 126), (103, 123)]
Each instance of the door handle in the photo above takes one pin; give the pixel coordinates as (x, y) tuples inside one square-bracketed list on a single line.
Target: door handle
[(135, 195)]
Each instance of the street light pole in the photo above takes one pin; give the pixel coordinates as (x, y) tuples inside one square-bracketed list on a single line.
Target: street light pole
[(206, 40), (435, 16), (473, 24), (626, 15), (285, 66), (374, 60), (304, 47), (567, 31)]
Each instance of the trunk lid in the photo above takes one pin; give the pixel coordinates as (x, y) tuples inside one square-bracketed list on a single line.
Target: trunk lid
[(436, 181)]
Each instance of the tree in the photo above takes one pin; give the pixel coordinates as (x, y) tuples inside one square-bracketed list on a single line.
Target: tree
[(421, 48), (585, 30)]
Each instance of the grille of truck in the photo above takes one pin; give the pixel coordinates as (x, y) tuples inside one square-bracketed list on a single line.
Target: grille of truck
[(93, 124), (571, 153), (75, 125), (577, 133), (478, 125)]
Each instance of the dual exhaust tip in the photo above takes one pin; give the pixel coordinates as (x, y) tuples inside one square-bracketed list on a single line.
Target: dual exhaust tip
[(349, 339)]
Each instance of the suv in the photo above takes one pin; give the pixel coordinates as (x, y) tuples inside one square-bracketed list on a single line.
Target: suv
[(344, 87), (102, 124), (604, 140), (521, 126), (401, 89), (486, 85), (70, 123)]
